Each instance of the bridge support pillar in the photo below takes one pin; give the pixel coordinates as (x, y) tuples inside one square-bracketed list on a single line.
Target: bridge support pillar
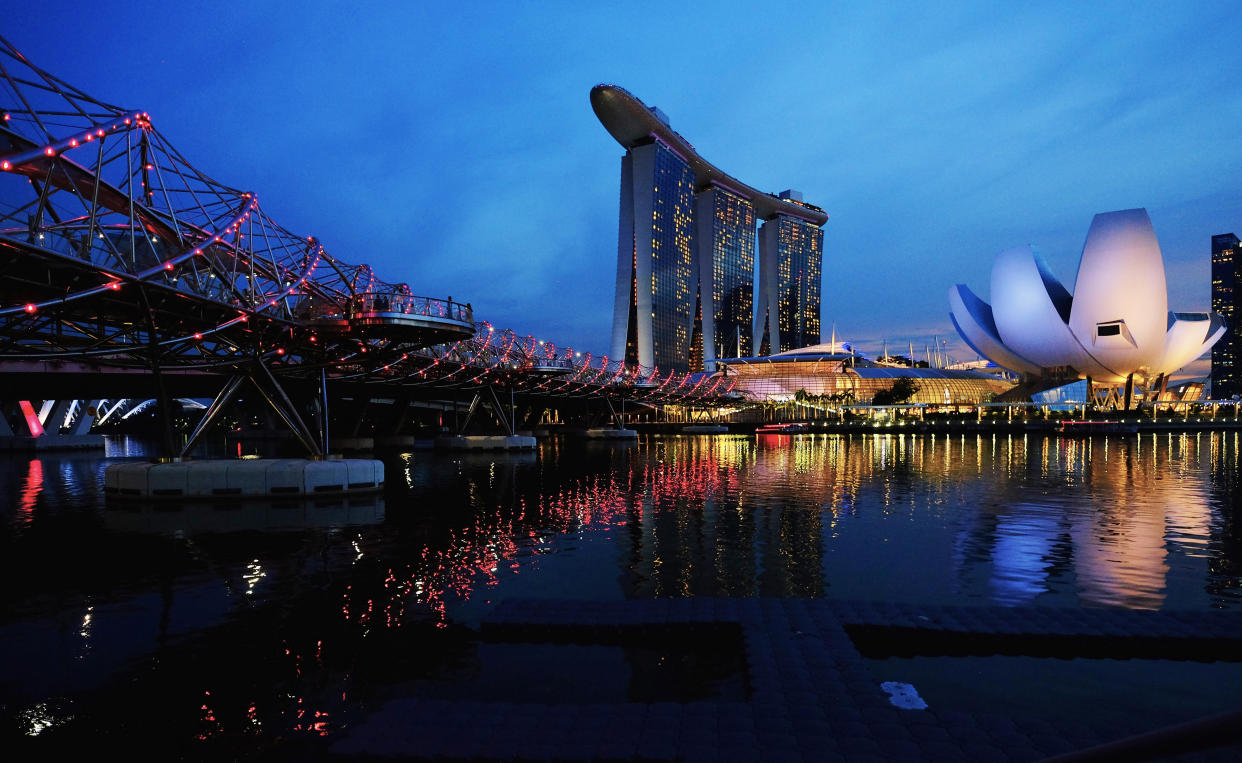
[(45, 429), (271, 391), (488, 397)]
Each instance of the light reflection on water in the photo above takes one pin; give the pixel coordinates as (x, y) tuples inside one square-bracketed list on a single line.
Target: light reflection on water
[(313, 609)]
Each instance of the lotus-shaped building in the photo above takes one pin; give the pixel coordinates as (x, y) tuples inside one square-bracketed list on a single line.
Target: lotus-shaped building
[(1115, 328)]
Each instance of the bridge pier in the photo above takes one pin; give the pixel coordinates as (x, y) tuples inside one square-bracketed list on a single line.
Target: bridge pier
[(271, 391), (57, 425)]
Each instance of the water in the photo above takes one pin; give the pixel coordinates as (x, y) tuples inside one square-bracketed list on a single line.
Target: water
[(237, 630)]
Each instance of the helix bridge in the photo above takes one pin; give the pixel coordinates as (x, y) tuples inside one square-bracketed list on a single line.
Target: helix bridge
[(116, 253)]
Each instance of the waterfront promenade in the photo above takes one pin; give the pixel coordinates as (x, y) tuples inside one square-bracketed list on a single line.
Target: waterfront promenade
[(809, 693)]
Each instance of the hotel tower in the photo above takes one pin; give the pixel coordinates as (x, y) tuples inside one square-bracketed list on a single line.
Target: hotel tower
[(686, 243)]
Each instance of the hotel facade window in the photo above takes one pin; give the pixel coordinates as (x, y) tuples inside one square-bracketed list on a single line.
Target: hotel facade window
[(1226, 272), (686, 250)]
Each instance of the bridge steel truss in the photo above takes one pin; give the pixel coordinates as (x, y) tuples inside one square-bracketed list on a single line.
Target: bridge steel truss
[(116, 252)]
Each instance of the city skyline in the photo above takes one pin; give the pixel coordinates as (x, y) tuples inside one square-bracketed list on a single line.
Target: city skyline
[(991, 130)]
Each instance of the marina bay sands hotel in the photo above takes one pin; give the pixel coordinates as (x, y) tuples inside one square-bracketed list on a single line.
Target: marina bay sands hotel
[(686, 290)]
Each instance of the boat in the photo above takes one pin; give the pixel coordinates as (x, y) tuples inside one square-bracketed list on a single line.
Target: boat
[(1075, 426), (795, 427)]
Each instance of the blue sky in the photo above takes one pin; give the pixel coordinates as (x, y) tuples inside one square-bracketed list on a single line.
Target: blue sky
[(452, 145)]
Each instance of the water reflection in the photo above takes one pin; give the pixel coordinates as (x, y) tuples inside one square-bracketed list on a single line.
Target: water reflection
[(1134, 522), (186, 518), (258, 619)]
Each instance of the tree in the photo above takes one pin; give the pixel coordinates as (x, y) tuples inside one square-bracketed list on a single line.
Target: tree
[(902, 390)]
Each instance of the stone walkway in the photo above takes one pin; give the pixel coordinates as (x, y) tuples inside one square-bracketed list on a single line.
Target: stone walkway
[(811, 696)]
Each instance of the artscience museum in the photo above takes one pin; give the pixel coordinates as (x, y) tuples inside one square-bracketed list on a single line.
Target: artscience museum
[(1115, 329)]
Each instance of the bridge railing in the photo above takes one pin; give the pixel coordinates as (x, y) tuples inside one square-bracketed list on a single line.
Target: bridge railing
[(319, 309), (409, 304)]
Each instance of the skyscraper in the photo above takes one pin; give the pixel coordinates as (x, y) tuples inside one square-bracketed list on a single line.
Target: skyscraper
[(655, 259), (791, 253), (1226, 274), (685, 292), (725, 231)]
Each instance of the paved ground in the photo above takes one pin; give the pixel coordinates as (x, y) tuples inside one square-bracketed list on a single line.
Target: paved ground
[(809, 694)]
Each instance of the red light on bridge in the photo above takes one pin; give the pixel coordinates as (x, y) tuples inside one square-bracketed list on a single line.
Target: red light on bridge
[(168, 265), (197, 335), (5, 165), (280, 350), (32, 418), (30, 307), (50, 151)]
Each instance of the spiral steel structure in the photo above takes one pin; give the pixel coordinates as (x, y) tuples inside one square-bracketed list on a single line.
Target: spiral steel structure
[(114, 249)]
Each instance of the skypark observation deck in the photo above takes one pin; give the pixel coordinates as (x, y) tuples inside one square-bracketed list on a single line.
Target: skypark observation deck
[(632, 123)]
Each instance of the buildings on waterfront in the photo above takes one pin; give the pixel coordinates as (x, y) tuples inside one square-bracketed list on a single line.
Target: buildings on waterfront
[(828, 373), (1226, 277), (1114, 330), (686, 252)]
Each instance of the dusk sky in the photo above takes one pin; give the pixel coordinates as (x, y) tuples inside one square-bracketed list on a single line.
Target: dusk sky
[(452, 146)]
